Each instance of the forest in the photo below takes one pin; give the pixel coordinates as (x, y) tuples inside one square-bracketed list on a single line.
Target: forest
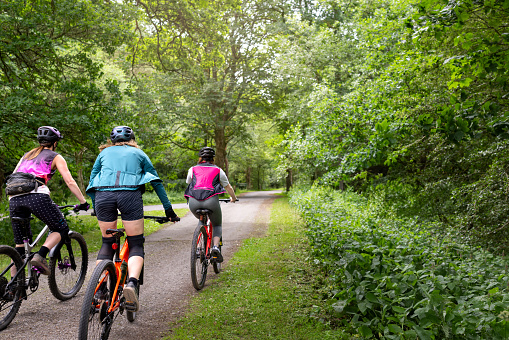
[(385, 121)]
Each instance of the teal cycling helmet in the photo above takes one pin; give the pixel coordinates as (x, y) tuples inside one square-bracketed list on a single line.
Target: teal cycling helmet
[(121, 134)]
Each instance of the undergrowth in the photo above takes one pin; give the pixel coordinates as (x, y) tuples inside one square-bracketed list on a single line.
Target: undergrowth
[(396, 278)]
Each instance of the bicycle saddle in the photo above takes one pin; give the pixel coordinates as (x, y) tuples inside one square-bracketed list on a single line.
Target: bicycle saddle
[(203, 211), (115, 232)]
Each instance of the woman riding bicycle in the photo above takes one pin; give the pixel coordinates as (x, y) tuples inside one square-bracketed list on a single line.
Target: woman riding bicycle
[(206, 181), (43, 162), (117, 183)]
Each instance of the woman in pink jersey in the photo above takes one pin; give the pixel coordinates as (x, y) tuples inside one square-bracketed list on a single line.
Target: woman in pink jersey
[(43, 162), (206, 181)]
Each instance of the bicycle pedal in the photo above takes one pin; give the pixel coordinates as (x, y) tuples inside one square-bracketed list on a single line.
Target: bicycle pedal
[(130, 307)]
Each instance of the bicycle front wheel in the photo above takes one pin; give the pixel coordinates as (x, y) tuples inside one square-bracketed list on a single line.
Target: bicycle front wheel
[(95, 322), (199, 258), (69, 268), (10, 298)]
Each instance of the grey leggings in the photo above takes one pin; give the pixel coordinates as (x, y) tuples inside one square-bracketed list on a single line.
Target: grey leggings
[(216, 218)]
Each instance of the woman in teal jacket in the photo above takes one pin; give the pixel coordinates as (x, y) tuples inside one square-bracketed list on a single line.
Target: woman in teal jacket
[(119, 174)]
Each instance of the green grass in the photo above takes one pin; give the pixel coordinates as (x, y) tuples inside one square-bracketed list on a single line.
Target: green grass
[(266, 291)]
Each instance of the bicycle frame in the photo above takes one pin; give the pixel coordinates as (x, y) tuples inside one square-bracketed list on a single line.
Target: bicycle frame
[(208, 229), (121, 269), (28, 252), (28, 249)]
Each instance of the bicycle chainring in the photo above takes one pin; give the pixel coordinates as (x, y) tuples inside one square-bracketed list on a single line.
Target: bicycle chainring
[(33, 284)]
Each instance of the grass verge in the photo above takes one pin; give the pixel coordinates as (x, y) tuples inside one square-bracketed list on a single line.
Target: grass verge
[(266, 291)]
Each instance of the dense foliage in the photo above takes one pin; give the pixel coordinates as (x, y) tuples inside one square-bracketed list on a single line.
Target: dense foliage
[(412, 92), (50, 73), (393, 277)]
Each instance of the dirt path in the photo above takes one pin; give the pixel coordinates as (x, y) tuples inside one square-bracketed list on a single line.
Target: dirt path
[(167, 290)]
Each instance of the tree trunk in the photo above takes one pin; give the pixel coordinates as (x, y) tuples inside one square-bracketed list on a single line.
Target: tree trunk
[(2, 177), (248, 177), (79, 164), (221, 158), (288, 179)]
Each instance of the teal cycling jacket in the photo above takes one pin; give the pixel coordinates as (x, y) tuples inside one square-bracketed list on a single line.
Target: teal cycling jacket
[(124, 167)]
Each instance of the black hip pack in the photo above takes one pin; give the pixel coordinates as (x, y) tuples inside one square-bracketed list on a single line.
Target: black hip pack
[(21, 183)]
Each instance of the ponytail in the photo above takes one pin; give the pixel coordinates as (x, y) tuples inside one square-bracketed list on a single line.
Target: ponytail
[(33, 153)]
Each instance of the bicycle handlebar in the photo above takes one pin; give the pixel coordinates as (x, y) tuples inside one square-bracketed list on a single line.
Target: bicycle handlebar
[(163, 219), (69, 206), (158, 219), (226, 200)]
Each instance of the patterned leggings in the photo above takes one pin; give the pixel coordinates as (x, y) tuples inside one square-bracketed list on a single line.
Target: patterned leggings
[(42, 207)]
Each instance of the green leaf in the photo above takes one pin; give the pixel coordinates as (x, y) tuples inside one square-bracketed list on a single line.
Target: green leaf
[(422, 333), (365, 331), (371, 297), (395, 328), (399, 310)]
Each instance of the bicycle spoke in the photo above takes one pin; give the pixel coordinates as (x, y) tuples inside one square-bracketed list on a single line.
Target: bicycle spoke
[(199, 261), (67, 272), (95, 321)]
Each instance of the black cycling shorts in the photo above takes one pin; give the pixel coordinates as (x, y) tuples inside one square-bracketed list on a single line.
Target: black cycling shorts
[(42, 207), (109, 203)]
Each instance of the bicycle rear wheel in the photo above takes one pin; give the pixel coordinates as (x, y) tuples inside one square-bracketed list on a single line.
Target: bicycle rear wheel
[(10, 299), (199, 260), (64, 281), (95, 322)]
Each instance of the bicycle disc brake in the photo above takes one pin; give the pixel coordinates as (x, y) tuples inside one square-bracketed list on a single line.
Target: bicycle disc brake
[(64, 265)]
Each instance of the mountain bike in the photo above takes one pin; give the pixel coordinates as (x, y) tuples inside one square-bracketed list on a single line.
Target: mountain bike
[(200, 249), (104, 300), (18, 278)]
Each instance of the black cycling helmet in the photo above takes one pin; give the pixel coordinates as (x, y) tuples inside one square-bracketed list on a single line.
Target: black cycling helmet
[(207, 153), (121, 134), (48, 134)]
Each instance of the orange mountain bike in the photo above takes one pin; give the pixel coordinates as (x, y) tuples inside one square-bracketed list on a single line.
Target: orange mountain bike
[(104, 299)]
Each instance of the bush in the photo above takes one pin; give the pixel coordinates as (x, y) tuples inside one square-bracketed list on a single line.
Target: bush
[(397, 278)]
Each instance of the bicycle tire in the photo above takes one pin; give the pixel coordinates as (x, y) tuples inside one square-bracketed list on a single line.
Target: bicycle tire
[(64, 282), (198, 257), (92, 324), (9, 308), (217, 265)]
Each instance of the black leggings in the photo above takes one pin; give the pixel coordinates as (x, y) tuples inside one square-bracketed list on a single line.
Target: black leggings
[(42, 207), (216, 217)]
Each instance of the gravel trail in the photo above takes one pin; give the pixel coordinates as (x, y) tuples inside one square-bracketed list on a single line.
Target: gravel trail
[(167, 290)]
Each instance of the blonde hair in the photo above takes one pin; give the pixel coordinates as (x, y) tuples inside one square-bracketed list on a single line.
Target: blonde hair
[(132, 143), (36, 151)]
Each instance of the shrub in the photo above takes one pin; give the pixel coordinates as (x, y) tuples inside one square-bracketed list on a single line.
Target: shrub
[(397, 278)]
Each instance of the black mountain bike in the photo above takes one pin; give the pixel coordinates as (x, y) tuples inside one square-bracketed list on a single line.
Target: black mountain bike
[(18, 278)]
